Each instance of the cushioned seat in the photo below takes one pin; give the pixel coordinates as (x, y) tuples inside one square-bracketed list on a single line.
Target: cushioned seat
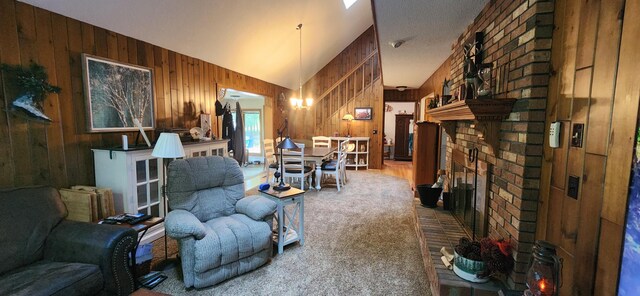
[(221, 233), (42, 253), (273, 166), (330, 165), (53, 278), (297, 171)]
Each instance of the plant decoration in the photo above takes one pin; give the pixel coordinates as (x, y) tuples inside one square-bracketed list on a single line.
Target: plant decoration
[(496, 254), (31, 84)]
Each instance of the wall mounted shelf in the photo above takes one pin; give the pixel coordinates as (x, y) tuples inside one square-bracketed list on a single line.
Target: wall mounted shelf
[(486, 114)]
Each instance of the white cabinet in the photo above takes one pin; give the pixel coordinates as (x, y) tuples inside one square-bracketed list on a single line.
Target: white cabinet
[(136, 178), (358, 152)]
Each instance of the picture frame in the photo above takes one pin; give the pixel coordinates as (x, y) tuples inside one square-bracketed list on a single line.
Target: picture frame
[(115, 94), (363, 113)]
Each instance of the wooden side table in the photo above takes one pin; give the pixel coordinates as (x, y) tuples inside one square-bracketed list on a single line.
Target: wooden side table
[(288, 230)]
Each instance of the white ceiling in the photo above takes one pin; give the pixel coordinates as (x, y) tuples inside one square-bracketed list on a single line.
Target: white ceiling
[(428, 27), (258, 37)]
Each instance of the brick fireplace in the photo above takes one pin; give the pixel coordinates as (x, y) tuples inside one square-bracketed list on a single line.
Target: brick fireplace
[(517, 42)]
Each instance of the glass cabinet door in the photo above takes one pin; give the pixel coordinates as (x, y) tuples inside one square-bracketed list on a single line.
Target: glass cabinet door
[(148, 187)]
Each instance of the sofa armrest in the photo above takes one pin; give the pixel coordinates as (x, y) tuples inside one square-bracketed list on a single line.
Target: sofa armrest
[(107, 246), (182, 224), (256, 207)]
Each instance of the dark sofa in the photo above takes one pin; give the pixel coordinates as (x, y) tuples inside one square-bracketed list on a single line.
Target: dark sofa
[(43, 254)]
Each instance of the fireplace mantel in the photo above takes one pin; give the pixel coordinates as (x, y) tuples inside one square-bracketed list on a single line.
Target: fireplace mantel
[(486, 114)]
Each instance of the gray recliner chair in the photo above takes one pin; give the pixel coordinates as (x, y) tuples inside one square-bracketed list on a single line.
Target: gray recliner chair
[(221, 233)]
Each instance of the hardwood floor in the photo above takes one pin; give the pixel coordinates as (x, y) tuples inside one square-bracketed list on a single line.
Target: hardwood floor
[(402, 169)]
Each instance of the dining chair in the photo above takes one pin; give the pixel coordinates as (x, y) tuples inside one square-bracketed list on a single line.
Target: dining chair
[(335, 167), (321, 141), (270, 159), (294, 167)]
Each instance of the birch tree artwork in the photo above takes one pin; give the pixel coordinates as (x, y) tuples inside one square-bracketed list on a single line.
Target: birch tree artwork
[(117, 94)]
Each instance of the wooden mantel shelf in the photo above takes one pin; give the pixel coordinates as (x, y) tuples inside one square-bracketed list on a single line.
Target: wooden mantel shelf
[(480, 109), (486, 114)]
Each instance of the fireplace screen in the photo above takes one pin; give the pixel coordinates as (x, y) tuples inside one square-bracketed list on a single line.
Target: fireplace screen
[(469, 193)]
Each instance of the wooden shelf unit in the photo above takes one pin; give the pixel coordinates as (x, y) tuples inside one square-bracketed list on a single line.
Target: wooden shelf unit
[(358, 152), (486, 114)]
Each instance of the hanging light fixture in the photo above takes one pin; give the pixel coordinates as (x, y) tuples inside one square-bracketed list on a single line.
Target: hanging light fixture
[(298, 103)]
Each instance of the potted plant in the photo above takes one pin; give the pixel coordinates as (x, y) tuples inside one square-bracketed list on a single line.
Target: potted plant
[(477, 261), (32, 87)]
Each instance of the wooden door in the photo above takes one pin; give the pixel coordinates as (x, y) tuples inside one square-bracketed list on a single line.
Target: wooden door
[(402, 137)]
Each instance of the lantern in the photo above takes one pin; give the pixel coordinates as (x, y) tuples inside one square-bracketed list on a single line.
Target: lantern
[(543, 277)]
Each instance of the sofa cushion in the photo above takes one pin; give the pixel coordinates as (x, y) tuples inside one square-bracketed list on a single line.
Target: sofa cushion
[(229, 239), (208, 187), (27, 216), (52, 278)]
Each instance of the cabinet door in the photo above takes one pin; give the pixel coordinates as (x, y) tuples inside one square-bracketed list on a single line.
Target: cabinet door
[(148, 193)]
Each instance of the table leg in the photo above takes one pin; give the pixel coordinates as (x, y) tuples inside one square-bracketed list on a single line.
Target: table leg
[(301, 221), (318, 174), (280, 228)]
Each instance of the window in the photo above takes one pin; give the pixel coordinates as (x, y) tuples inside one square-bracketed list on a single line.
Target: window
[(348, 3)]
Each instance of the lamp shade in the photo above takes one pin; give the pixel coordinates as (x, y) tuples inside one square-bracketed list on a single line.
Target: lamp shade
[(287, 143), (348, 117), (168, 146)]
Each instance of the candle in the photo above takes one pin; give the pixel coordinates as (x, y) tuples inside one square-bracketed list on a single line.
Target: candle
[(545, 286)]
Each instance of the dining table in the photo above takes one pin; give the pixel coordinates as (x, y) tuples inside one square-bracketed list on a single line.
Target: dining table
[(314, 154)]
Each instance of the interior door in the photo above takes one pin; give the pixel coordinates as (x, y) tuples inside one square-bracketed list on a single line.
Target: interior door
[(402, 137)]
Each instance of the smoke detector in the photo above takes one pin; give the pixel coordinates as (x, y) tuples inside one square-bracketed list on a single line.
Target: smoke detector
[(396, 44), (401, 88)]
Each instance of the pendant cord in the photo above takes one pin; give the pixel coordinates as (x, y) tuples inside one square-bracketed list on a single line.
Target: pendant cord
[(299, 28)]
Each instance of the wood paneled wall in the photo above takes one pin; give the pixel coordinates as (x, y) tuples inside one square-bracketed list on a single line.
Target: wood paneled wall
[(409, 95), (59, 154), (304, 124), (596, 84), (434, 83)]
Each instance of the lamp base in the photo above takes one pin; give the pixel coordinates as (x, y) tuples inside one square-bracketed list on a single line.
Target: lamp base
[(282, 187)]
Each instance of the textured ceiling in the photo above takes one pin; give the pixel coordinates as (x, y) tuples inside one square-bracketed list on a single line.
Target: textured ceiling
[(428, 27), (258, 37), (254, 37)]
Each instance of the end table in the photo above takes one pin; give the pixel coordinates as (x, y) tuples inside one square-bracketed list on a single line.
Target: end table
[(292, 231)]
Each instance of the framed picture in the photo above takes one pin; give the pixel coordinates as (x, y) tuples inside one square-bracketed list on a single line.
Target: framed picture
[(116, 94), (362, 113)]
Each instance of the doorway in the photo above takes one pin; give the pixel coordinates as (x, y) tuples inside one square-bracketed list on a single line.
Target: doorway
[(255, 117)]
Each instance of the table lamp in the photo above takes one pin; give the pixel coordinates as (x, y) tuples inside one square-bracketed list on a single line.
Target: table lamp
[(287, 143), (168, 146), (348, 118)]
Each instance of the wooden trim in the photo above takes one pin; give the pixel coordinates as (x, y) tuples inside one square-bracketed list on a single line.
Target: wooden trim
[(347, 75), (481, 109)]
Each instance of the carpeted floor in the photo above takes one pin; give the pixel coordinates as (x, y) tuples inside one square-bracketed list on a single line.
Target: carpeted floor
[(360, 241)]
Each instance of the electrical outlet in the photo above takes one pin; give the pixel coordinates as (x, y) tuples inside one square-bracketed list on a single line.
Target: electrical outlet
[(572, 189)]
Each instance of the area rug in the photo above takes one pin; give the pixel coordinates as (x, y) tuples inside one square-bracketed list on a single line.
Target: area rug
[(359, 241)]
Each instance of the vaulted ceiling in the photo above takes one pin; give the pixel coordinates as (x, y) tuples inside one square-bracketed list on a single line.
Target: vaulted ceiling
[(259, 38)]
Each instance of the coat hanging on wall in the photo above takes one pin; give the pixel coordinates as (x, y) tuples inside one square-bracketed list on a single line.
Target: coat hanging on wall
[(239, 150), (227, 127)]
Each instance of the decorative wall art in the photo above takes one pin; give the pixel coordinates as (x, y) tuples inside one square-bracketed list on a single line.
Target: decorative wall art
[(116, 93), (363, 113), (32, 88)]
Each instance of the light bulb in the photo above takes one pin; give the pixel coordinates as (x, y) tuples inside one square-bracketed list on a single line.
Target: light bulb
[(294, 101), (309, 102)]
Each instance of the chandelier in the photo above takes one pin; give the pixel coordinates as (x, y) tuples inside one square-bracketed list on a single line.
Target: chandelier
[(298, 103)]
